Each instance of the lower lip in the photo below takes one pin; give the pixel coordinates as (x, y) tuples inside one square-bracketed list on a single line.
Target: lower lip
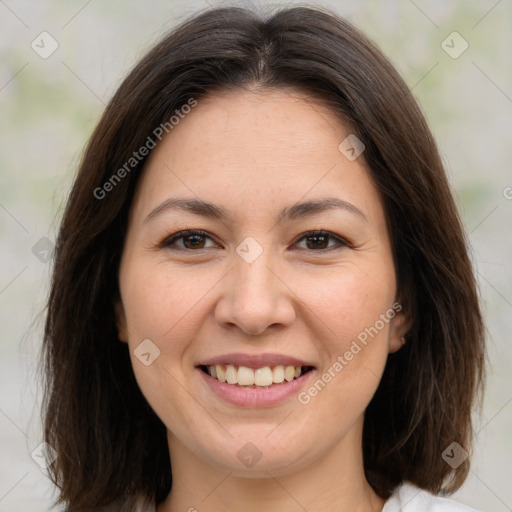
[(255, 397)]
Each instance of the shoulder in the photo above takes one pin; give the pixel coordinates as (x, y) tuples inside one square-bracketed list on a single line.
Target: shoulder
[(409, 498)]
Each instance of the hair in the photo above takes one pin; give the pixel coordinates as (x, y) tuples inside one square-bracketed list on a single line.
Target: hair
[(111, 446)]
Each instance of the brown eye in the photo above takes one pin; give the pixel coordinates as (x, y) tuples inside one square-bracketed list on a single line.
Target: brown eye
[(188, 240), (194, 241), (319, 240)]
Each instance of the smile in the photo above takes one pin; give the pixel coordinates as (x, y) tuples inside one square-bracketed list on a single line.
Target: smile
[(263, 377)]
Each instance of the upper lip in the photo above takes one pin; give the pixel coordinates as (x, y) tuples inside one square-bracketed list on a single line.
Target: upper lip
[(255, 360)]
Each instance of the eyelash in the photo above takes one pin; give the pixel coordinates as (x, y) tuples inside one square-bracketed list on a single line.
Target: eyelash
[(169, 241)]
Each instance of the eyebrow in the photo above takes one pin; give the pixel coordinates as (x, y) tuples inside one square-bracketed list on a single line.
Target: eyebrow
[(216, 212)]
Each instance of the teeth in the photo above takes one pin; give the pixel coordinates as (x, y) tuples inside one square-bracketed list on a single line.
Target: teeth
[(289, 373), (221, 374), (278, 374), (245, 376), (262, 377), (231, 375)]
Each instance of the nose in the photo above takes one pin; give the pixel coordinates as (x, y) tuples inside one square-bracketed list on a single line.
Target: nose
[(255, 297)]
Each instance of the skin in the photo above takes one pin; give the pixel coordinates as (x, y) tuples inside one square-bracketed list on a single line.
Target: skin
[(255, 152)]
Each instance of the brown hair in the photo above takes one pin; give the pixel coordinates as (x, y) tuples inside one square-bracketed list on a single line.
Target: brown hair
[(110, 444)]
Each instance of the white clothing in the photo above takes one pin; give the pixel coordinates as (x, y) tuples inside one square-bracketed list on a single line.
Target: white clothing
[(409, 498)]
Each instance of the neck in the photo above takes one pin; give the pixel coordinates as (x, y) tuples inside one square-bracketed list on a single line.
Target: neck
[(335, 483)]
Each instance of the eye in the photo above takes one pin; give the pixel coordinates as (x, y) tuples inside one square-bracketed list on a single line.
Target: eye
[(188, 239), (196, 239), (319, 240)]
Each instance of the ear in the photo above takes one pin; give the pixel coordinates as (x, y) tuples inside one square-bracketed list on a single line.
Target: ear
[(400, 325), (122, 331)]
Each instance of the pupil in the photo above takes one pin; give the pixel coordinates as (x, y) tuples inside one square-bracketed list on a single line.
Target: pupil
[(323, 239), (197, 239)]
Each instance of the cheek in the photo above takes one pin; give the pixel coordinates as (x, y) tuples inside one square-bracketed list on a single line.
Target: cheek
[(162, 304), (351, 334), (159, 306), (349, 300), (168, 307)]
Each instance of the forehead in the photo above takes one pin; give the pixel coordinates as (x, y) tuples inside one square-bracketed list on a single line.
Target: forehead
[(256, 146), (251, 124)]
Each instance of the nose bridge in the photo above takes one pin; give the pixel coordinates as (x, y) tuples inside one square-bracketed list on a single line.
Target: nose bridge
[(255, 297), (254, 280)]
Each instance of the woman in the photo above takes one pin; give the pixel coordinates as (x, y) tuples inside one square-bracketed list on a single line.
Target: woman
[(262, 297)]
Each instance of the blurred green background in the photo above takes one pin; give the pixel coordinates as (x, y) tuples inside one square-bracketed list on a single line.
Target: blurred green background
[(49, 106)]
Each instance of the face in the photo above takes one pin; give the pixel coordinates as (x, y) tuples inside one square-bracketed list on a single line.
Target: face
[(257, 252)]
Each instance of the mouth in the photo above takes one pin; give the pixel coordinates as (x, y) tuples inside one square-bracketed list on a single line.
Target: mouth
[(254, 378)]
